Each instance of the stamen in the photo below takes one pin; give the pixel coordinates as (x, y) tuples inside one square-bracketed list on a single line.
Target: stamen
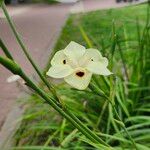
[(80, 74)]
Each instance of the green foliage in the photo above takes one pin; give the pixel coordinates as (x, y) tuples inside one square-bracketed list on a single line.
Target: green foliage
[(1, 2), (123, 36)]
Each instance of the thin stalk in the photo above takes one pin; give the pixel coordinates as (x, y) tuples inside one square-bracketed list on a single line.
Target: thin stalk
[(125, 37), (101, 114), (88, 41), (103, 45), (113, 39), (123, 61), (5, 50), (138, 31), (110, 110)]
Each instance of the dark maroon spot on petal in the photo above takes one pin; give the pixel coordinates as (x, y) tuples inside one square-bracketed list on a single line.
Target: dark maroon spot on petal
[(80, 74), (64, 61)]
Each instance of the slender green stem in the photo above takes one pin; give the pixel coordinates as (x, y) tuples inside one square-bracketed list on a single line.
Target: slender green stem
[(113, 46), (123, 60), (5, 50), (101, 114), (85, 36)]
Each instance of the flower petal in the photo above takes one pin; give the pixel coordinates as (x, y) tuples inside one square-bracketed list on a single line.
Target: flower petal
[(79, 79), (58, 58), (59, 71), (93, 55), (98, 68), (74, 51)]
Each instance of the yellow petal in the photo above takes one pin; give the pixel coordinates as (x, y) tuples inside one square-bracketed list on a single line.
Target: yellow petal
[(59, 71), (98, 68), (79, 79), (74, 51)]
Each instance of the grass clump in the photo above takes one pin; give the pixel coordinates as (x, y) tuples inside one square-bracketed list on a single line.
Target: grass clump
[(122, 35)]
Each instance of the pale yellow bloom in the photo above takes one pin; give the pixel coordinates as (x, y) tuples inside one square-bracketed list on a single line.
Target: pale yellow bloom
[(76, 65)]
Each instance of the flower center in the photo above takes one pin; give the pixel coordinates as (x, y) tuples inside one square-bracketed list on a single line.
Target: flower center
[(80, 74), (64, 61)]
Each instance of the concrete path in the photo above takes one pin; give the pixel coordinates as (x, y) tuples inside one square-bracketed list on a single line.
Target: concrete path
[(39, 26)]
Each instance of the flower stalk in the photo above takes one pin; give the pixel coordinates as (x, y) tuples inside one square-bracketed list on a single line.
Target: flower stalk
[(5, 50), (10, 65)]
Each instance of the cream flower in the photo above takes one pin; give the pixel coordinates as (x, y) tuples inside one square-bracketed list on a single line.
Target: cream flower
[(76, 65)]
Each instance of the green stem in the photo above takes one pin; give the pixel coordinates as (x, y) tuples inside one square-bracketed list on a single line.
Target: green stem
[(123, 60), (5, 50)]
